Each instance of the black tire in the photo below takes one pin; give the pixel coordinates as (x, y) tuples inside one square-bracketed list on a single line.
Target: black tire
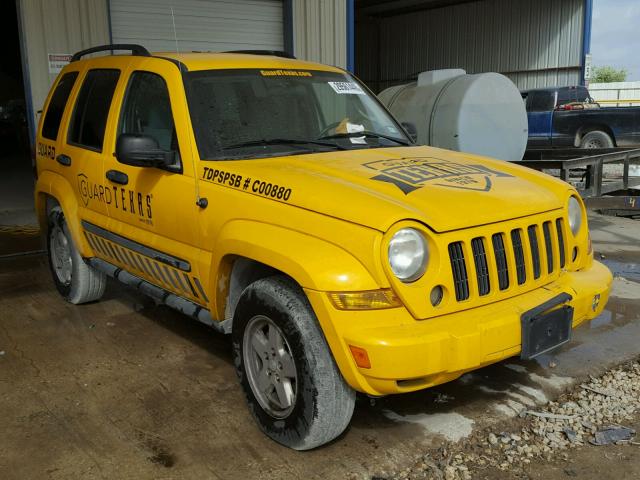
[(84, 284), (323, 403), (596, 139)]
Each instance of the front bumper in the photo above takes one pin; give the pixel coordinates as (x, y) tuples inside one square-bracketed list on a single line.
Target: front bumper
[(408, 354)]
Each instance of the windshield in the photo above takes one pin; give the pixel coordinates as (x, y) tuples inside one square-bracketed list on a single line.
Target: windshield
[(253, 113)]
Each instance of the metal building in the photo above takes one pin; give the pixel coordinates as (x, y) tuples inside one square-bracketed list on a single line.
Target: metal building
[(534, 42), (52, 30)]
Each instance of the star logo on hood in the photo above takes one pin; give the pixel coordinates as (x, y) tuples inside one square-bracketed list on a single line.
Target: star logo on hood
[(410, 174)]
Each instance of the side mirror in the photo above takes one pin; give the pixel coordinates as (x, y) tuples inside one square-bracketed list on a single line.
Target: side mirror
[(142, 151), (411, 130)]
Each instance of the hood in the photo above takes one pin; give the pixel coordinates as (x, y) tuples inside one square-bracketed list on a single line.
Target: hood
[(376, 188)]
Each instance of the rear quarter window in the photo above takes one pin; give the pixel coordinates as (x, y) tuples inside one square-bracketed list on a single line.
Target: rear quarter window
[(540, 101), (566, 95), (90, 113), (57, 104)]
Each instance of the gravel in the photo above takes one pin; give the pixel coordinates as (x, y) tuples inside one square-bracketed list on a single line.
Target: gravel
[(599, 405)]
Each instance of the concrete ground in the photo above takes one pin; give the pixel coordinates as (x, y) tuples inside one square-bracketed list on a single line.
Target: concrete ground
[(16, 188), (126, 389)]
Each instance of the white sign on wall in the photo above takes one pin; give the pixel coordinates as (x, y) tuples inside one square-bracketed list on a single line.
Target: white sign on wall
[(588, 69), (57, 61)]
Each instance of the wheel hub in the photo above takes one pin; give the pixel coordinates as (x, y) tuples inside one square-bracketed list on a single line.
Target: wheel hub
[(270, 367), (60, 255)]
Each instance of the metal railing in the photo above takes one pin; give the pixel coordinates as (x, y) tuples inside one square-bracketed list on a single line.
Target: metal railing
[(591, 171), (619, 102)]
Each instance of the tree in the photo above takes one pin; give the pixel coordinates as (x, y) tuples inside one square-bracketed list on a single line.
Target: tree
[(608, 74)]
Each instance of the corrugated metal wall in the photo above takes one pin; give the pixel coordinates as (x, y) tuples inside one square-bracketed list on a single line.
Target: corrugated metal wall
[(320, 31), (57, 26), (204, 25), (534, 42)]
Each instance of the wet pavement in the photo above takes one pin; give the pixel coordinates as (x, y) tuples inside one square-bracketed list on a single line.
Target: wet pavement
[(123, 388), (20, 240)]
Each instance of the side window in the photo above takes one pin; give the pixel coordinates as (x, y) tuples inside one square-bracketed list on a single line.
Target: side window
[(540, 101), (58, 102), (566, 95), (147, 110), (92, 109)]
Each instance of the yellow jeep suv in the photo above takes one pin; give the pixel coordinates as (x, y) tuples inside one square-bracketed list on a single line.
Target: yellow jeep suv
[(277, 201)]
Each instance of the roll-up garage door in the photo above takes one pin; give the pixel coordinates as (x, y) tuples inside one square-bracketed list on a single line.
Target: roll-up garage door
[(200, 25)]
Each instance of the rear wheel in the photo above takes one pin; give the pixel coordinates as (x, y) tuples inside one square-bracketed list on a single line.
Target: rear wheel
[(76, 281), (293, 388), (596, 139)]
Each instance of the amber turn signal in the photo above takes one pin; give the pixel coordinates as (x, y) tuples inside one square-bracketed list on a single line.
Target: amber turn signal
[(361, 356), (365, 300)]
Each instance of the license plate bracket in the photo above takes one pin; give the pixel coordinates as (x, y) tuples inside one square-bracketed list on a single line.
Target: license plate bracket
[(546, 327)]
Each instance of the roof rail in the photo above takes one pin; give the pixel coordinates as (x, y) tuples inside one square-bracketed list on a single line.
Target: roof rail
[(275, 53), (137, 50)]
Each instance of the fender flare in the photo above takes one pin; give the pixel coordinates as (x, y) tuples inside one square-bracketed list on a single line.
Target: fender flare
[(53, 185), (591, 127), (312, 262)]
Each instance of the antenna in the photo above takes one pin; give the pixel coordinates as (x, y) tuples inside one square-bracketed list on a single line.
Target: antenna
[(175, 35), (201, 202)]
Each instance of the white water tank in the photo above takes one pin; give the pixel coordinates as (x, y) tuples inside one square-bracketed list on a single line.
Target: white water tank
[(482, 114)]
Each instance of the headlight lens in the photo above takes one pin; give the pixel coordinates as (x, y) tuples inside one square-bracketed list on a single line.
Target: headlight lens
[(408, 254), (575, 215)]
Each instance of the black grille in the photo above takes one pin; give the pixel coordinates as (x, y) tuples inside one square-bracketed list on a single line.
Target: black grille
[(518, 253), (535, 253), (459, 270), (522, 246), (482, 269), (560, 242), (546, 228), (501, 261)]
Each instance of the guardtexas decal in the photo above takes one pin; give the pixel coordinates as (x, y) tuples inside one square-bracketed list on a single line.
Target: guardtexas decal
[(410, 174), (135, 203)]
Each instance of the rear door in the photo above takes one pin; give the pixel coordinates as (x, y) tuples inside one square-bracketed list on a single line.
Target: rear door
[(50, 138), (540, 105), (153, 225), (82, 145)]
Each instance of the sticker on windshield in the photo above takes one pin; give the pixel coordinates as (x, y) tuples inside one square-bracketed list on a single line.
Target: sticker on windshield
[(285, 73), (355, 128), (349, 88)]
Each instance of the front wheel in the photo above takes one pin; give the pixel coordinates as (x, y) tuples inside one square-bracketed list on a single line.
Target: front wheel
[(294, 389)]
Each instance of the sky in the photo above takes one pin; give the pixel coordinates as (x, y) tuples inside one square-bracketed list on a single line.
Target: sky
[(615, 35)]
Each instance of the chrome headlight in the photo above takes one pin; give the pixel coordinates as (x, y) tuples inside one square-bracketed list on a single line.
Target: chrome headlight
[(575, 215), (408, 254)]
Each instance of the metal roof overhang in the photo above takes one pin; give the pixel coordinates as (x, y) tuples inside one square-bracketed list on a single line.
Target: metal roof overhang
[(384, 8)]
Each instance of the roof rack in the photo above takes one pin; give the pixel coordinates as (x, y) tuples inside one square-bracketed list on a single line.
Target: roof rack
[(137, 50), (275, 53)]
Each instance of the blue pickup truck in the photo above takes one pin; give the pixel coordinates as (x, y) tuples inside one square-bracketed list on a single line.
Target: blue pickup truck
[(567, 117)]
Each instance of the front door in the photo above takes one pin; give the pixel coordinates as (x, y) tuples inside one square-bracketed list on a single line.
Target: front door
[(540, 105), (152, 228)]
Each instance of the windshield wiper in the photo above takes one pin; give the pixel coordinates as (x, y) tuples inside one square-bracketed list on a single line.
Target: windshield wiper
[(283, 141), (364, 133)]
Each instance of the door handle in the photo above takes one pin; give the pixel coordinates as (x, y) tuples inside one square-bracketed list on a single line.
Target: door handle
[(64, 160), (117, 176)]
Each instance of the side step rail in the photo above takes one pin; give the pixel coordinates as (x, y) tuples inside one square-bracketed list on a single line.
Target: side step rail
[(172, 300)]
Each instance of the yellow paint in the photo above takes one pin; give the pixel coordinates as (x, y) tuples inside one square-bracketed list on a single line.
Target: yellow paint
[(325, 219)]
